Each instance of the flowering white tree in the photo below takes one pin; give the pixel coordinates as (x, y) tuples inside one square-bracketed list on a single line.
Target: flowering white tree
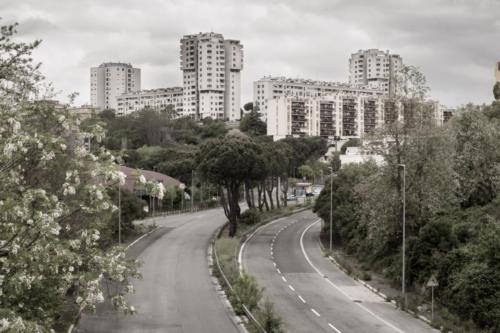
[(53, 204)]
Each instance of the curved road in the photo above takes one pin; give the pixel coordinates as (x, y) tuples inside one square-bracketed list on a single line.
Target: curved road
[(176, 293), (310, 293)]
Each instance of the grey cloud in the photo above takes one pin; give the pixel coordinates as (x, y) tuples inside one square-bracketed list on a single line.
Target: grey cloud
[(454, 42)]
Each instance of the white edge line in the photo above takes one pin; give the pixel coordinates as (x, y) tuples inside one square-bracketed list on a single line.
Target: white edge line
[(334, 285), (138, 239), (315, 312), (334, 328), (242, 247)]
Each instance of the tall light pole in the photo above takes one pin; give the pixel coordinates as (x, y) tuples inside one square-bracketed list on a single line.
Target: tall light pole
[(331, 208), (403, 279), (119, 214)]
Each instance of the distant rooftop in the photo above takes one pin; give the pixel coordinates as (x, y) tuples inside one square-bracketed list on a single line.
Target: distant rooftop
[(203, 34), (314, 82), (111, 64), (155, 91)]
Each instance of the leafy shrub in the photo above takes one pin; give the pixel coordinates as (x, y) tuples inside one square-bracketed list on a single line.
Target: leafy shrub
[(269, 319), (365, 276), (246, 292), (250, 217)]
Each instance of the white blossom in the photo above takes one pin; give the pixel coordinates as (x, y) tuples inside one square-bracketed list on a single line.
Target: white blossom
[(161, 190), (121, 177)]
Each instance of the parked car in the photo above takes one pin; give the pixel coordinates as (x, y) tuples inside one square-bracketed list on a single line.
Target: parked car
[(291, 197)]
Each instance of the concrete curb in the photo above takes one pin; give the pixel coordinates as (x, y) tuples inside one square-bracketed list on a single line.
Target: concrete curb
[(238, 321), (371, 288)]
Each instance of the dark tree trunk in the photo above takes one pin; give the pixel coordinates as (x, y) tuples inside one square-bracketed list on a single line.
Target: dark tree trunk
[(278, 191), (247, 196), (284, 187), (252, 197), (223, 201), (264, 196), (269, 190), (234, 208), (260, 202)]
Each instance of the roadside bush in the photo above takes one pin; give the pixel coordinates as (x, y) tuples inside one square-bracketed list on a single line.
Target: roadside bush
[(269, 319), (365, 276), (250, 217), (246, 292)]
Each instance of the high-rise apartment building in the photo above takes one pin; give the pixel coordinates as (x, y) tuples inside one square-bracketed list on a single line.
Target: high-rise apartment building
[(374, 68), (211, 67), (270, 87), (155, 99), (110, 80)]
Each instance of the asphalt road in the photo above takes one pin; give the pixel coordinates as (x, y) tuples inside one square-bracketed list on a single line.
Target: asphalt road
[(310, 293), (176, 293)]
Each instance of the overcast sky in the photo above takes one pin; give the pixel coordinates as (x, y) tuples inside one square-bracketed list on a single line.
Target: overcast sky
[(454, 42)]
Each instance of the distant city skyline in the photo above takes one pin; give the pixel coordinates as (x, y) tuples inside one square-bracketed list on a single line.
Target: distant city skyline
[(454, 48)]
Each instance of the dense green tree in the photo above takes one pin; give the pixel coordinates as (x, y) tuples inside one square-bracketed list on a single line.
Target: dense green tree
[(228, 163), (452, 211), (252, 124), (477, 161), (496, 91)]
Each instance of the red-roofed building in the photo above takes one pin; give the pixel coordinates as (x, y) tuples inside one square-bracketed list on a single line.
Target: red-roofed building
[(133, 186)]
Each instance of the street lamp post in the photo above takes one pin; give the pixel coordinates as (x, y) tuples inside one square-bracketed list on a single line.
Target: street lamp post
[(403, 280), (331, 208), (119, 214)]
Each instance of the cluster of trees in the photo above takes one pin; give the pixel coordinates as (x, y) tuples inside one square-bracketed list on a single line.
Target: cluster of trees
[(56, 218), (256, 163), (452, 216), (153, 140)]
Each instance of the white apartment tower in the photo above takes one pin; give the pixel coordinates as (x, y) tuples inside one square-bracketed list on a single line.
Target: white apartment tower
[(374, 68), (110, 80), (211, 69)]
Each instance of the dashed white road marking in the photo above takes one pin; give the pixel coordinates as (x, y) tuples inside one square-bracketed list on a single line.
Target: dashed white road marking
[(278, 270), (283, 278), (335, 286), (334, 328), (302, 299), (316, 313), (291, 288)]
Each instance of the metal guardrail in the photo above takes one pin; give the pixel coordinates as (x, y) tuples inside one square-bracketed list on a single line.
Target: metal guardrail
[(248, 313)]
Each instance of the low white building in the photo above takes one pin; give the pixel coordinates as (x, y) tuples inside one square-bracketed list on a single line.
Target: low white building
[(334, 116), (343, 116), (156, 99), (356, 155), (268, 88)]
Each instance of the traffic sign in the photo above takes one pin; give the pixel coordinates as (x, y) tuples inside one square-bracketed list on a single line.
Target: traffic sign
[(432, 282)]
